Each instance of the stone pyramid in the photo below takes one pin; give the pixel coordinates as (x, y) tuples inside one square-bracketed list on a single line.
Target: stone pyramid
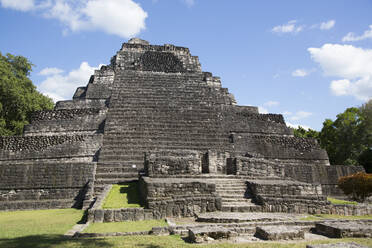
[(152, 112)]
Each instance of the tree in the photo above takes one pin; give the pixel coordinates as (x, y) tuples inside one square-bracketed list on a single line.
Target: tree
[(343, 138), (358, 185), (306, 133), (18, 96)]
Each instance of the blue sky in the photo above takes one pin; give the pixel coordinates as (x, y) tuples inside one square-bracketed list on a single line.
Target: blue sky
[(308, 60)]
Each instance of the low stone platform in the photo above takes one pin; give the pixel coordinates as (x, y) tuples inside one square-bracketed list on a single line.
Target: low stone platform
[(338, 245), (208, 234), (279, 232), (227, 217), (345, 229)]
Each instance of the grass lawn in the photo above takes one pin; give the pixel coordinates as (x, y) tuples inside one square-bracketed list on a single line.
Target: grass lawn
[(124, 195), (45, 229), (147, 241), (127, 226), (24, 223), (337, 201)]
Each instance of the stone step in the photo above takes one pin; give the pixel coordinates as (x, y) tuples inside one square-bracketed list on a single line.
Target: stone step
[(242, 209), (244, 200), (122, 169), (104, 181), (36, 204), (231, 186), (232, 196), (116, 175), (230, 191)]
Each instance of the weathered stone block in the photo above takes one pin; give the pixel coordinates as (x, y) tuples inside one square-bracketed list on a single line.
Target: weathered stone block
[(279, 232)]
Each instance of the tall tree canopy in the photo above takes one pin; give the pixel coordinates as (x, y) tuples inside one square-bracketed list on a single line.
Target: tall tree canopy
[(348, 139), (18, 96)]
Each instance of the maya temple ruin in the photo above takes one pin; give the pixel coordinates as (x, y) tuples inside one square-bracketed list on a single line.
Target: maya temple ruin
[(154, 117)]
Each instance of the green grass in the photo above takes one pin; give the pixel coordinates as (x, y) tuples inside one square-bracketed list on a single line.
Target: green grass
[(123, 196), (24, 223), (127, 226), (335, 216), (45, 228), (147, 241), (337, 201)]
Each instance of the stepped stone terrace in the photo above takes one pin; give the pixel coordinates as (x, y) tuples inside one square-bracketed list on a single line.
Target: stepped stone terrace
[(153, 116)]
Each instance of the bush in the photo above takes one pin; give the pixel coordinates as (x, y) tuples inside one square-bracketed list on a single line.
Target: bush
[(358, 185)]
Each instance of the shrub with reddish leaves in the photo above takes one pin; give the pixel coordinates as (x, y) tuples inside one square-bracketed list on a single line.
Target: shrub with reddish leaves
[(358, 185)]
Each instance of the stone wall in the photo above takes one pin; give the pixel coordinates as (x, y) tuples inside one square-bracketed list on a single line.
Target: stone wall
[(37, 143), (258, 167), (64, 148), (246, 119), (44, 185), (326, 175), (166, 163), (82, 104), (279, 147), (178, 197), (66, 121), (45, 175), (62, 114)]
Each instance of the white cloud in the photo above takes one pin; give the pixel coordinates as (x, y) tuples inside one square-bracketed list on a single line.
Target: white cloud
[(327, 25), (297, 116), (21, 5), (289, 27), (189, 3), (351, 64), (271, 103), (61, 87), (297, 125), (50, 71), (124, 18), (352, 37), (262, 110), (300, 73)]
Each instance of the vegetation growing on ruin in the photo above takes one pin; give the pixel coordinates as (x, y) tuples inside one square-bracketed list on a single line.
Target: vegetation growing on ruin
[(18, 96), (127, 226), (358, 186), (124, 195), (348, 139), (338, 201)]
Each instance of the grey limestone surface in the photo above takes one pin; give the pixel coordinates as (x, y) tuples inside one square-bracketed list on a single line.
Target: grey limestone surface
[(338, 245)]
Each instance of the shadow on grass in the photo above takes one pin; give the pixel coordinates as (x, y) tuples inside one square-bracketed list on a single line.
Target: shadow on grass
[(46, 241), (132, 192), (50, 241)]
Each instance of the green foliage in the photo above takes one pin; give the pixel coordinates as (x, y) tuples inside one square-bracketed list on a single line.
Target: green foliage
[(126, 226), (124, 195), (348, 139), (306, 133), (18, 96), (358, 185), (365, 159), (342, 138)]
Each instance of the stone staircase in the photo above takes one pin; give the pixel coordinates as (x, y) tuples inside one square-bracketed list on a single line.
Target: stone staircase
[(151, 112), (113, 173), (234, 196)]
